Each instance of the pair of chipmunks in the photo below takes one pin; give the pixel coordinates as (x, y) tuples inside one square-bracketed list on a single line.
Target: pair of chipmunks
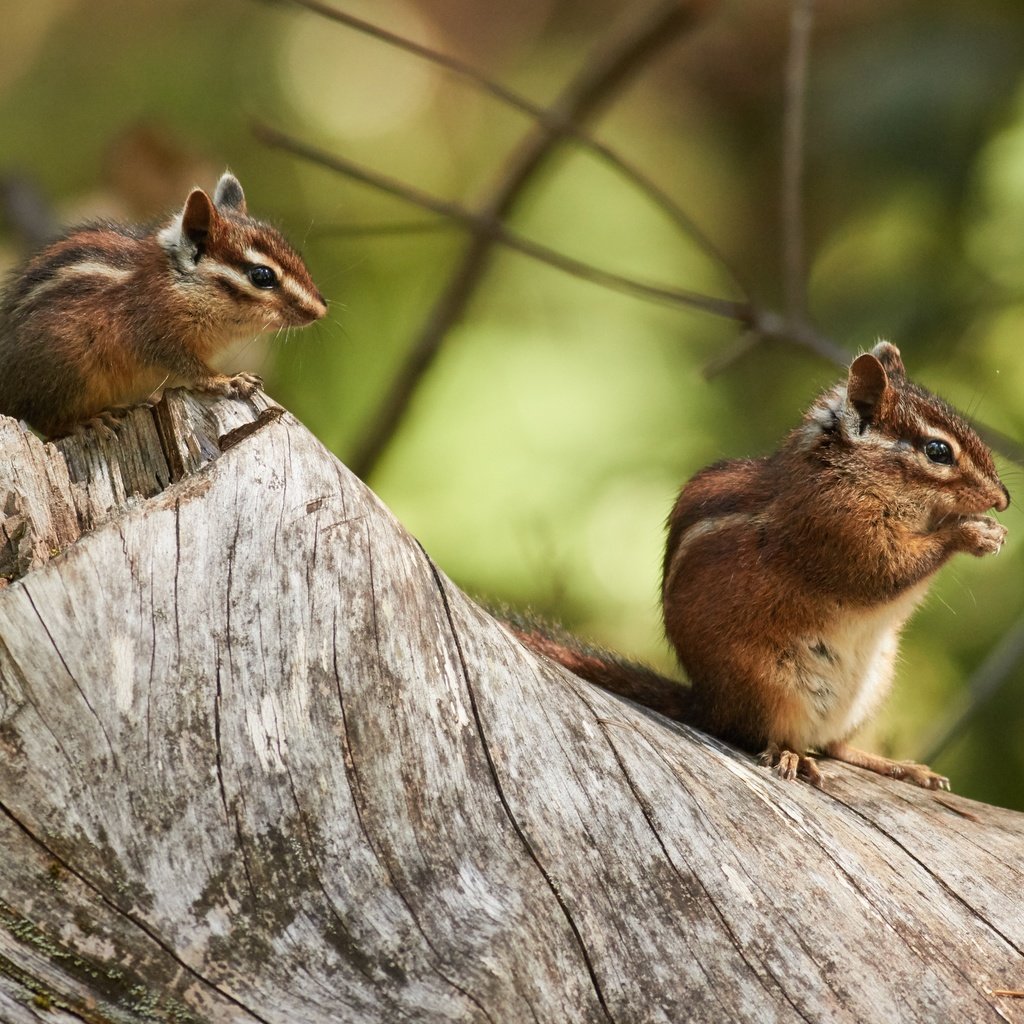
[(786, 579)]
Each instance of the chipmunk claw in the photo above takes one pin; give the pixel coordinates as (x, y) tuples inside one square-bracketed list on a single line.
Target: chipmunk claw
[(920, 775), (239, 385), (791, 766), (982, 535), (906, 771), (105, 423), (246, 384)]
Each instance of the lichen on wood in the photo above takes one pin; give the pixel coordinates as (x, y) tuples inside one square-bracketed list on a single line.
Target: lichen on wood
[(260, 760)]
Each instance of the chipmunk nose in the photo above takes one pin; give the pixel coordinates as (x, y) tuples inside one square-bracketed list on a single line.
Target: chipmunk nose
[(1002, 503)]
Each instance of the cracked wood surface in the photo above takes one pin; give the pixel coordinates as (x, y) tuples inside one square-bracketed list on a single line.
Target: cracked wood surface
[(260, 761)]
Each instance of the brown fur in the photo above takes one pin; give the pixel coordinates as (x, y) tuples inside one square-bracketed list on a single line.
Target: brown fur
[(787, 579), (603, 668), (108, 313)]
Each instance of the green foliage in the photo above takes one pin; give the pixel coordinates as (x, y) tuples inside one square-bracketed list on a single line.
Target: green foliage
[(544, 450)]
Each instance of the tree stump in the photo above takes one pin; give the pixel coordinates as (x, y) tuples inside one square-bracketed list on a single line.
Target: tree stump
[(261, 761)]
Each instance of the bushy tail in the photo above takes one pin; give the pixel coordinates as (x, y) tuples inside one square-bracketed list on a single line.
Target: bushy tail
[(610, 671)]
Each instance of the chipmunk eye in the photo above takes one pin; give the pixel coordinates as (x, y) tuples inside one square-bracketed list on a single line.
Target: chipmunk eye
[(938, 451), (262, 277)]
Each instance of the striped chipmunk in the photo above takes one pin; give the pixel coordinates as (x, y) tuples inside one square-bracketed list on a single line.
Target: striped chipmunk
[(787, 579), (109, 313)]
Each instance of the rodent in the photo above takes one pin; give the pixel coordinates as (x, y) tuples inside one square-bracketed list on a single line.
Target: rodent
[(787, 579), (108, 312)]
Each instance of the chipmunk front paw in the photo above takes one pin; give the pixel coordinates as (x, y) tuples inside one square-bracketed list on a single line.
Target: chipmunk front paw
[(982, 535), (788, 765), (246, 384), (240, 385)]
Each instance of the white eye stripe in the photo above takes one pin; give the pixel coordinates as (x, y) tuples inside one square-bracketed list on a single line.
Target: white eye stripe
[(297, 291), (304, 298), (261, 259), (238, 279), (933, 433), (303, 295)]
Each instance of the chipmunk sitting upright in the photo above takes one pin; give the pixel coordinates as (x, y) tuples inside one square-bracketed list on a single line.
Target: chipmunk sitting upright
[(109, 312), (787, 579)]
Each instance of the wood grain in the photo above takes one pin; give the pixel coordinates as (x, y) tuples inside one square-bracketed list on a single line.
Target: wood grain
[(260, 760)]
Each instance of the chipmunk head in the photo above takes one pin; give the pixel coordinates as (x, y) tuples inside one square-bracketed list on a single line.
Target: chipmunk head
[(881, 425), (249, 277)]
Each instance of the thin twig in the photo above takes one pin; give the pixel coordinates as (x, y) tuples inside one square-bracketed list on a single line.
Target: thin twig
[(766, 325), (600, 79), (733, 353), (761, 324), (395, 227), (986, 681), (549, 119), (793, 162), (453, 64), (1008, 447), (485, 226), (772, 326)]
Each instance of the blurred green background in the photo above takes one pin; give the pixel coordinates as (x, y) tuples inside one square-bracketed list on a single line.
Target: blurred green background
[(544, 449)]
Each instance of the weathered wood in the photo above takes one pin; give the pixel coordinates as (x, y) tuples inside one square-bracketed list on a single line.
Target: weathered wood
[(261, 761)]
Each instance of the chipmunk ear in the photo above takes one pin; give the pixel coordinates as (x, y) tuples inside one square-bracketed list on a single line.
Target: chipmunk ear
[(889, 356), (187, 235), (197, 217), (867, 385), (229, 195)]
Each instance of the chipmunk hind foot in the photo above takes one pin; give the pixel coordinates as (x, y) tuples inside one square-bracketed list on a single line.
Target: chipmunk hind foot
[(908, 771)]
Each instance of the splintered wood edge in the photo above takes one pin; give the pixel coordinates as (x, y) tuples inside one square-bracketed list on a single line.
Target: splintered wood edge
[(51, 493)]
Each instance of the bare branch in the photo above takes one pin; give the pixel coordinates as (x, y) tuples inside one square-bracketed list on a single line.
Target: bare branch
[(597, 82), (453, 64), (762, 324), (793, 162), (1005, 445), (593, 86), (771, 326), (550, 119), (376, 229), (485, 226)]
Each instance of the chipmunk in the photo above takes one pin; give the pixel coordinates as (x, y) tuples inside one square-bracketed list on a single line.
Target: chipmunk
[(109, 312), (787, 579)]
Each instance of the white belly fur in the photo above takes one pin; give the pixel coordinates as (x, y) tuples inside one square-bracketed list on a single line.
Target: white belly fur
[(843, 690)]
